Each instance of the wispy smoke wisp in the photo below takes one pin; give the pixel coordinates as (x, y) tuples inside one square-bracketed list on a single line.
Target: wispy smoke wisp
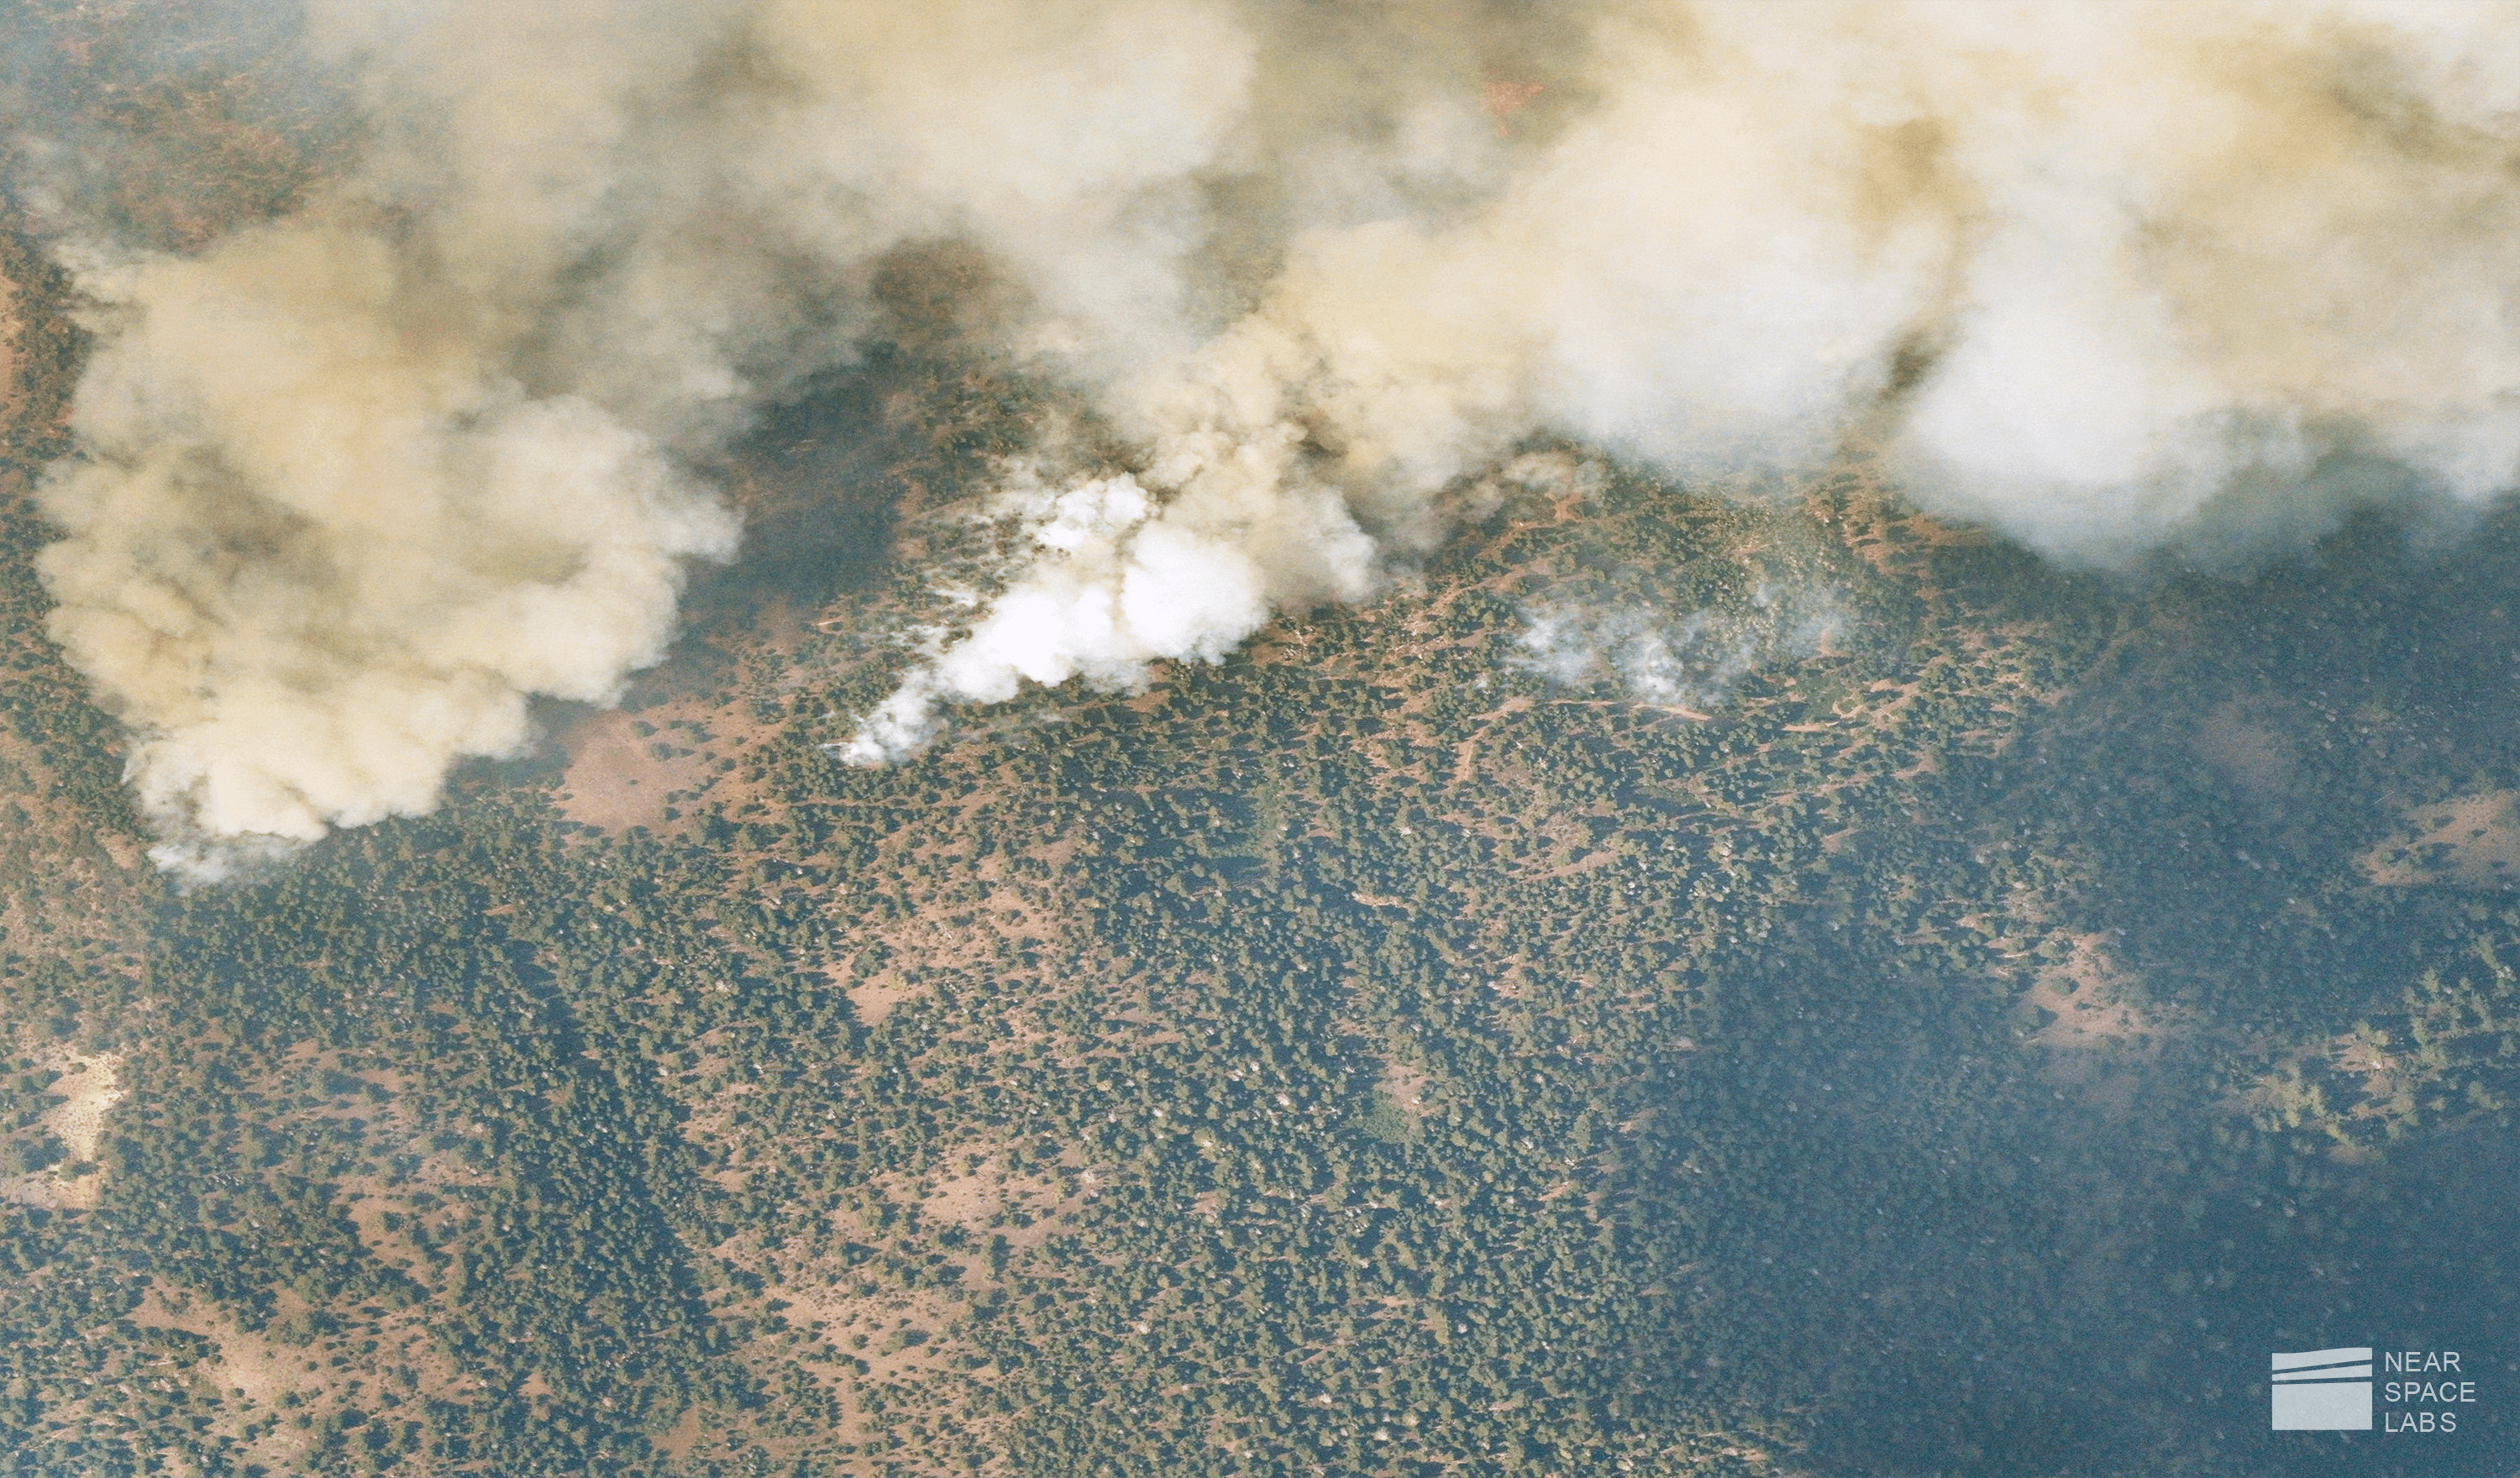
[(1689, 660)]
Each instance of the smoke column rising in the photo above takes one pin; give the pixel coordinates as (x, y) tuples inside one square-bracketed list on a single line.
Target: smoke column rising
[(2108, 276)]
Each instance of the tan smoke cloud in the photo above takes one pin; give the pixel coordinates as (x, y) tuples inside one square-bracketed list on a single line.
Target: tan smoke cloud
[(353, 485), (2105, 276), (315, 553)]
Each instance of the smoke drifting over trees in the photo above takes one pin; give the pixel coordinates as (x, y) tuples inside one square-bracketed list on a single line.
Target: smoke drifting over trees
[(354, 482)]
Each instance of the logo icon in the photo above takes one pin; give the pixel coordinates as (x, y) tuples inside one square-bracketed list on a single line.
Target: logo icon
[(2323, 1391)]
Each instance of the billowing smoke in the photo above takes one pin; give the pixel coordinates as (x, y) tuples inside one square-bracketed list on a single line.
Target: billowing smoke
[(2109, 277), (355, 481), (354, 484)]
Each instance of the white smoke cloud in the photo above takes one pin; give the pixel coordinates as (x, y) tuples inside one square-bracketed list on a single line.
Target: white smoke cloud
[(2106, 275)]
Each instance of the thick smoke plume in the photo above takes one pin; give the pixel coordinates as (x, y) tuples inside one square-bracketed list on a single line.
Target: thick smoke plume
[(2108, 276)]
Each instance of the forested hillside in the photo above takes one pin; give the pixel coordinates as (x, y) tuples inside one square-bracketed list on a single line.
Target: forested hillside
[(1930, 1014)]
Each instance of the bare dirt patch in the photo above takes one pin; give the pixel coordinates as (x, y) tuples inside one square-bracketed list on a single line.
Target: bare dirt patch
[(2469, 842), (92, 1085), (966, 1201), (623, 767), (252, 1376), (2097, 1037), (1406, 1087), (875, 997), (245, 1362), (88, 1085)]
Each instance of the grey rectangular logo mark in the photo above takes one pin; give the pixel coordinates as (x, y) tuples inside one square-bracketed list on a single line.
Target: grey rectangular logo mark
[(2323, 1391)]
